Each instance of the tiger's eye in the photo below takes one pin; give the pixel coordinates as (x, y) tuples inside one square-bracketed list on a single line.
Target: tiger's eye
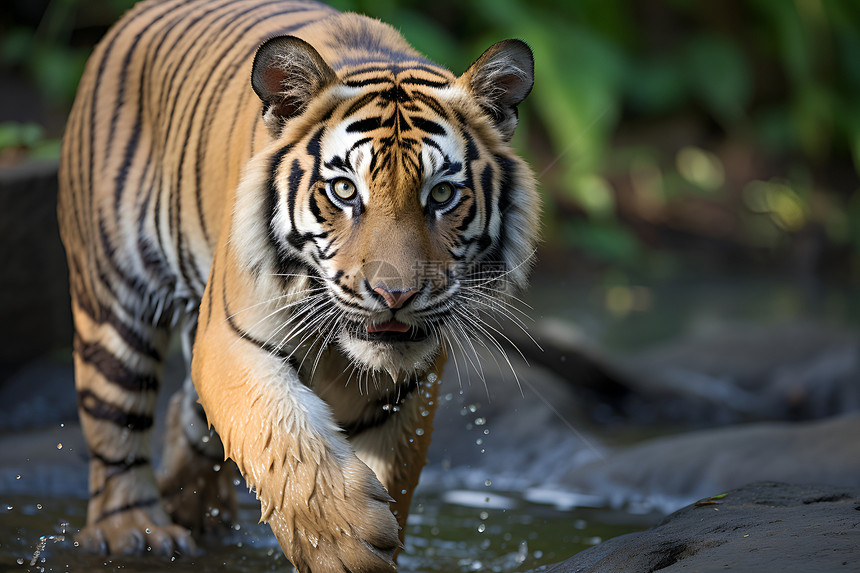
[(344, 188), (442, 193)]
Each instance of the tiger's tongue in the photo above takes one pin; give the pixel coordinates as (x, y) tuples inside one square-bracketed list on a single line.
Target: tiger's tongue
[(390, 326)]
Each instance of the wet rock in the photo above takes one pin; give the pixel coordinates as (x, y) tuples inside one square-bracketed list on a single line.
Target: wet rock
[(744, 373), (669, 472), (761, 527), (34, 286), (740, 373)]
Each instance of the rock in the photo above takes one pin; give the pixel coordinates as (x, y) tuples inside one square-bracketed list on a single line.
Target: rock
[(738, 373), (798, 371), (670, 472), (34, 286), (761, 527)]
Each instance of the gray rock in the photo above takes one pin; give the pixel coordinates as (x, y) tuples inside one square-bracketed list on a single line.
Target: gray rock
[(670, 472), (762, 527)]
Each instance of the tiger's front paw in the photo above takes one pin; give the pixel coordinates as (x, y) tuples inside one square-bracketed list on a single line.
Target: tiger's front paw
[(337, 530), (133, 532)]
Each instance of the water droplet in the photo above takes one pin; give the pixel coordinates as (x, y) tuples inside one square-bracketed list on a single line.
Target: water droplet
[(484, 515), (60, 446), (62, 425), (38, 506), (18, 476), (419, 432), (20, 561), (480, 421), (386, 407), (237, 482), (205, 439), (479, 441), (217, 467), (9, 508), (473, 408), (148, 531), (215, 511), (432, 377), (482, 527), (486, 431), (403, 491), (488, 482)]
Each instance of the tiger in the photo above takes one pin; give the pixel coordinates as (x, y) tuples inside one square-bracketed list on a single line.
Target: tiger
[(322, 216)]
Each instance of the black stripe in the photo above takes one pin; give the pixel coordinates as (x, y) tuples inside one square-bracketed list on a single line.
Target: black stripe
[(99, 409), (149, 502), (361, 103), (364, 125), (294, 238), (124, 462), (367, 82), (130, 337), (113, 369), (117, 469), (489, 193), (427, 125), (132, 283), (506, 191), (102, 314), (432, 103), (393, 69), (380, 411), (241, 333), (423, 82)]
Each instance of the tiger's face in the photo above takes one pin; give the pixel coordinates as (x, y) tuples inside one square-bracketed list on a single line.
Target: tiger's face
[(397, 195)]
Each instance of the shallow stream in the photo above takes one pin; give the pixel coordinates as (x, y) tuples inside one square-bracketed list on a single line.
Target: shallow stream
[(454, 531)]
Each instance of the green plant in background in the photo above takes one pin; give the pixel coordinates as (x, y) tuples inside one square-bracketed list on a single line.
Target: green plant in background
[(735, 121)]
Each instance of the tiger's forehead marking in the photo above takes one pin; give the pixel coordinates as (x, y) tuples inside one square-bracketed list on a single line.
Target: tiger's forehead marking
[(393, 129)]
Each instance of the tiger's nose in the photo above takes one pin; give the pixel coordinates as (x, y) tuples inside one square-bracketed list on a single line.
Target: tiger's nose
[(395, 298)]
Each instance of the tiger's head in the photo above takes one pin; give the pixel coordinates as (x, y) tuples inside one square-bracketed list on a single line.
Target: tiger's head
[(394, 211)]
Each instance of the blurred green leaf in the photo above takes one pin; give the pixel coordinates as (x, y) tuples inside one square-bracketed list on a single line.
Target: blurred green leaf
[(605, 241), (718, 76), (655, 86), (15, 134)]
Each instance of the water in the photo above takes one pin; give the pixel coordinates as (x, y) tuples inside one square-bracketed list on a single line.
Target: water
[(447, 532)]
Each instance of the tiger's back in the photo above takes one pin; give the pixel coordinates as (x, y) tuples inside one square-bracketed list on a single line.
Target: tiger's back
[(327, 214), (161, 129)]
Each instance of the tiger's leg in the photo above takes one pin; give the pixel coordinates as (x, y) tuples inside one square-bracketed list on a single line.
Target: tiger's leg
[(195, 480), (327, 509), (118, 363), (397, 450)]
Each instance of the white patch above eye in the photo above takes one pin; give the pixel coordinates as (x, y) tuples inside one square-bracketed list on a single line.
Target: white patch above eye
[(344, 156), (445, 163)]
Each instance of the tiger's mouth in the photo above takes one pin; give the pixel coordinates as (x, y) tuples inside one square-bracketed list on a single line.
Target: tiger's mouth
[(390, 331)]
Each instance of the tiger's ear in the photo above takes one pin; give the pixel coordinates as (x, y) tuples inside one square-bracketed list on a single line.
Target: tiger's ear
[(500, 80), (287, 74)]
